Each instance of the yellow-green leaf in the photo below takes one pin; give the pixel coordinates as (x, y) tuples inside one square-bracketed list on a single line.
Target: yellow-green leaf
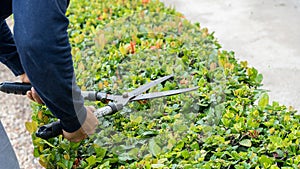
[(154, 148), (31, 127), (263, 101), (134, 119), (246, 143)]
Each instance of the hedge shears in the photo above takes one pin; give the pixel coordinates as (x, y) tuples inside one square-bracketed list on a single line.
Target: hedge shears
[(115, 102)]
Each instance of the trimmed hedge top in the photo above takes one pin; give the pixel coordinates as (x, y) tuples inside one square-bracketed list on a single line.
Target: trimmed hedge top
[(229, 122)]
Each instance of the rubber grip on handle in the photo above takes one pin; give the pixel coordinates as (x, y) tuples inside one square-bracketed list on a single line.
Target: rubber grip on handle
[(15, 87), (50, 130), (55, 129)]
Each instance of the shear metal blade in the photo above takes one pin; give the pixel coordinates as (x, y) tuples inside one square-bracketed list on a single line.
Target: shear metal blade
[(162, 94), (147, 86)]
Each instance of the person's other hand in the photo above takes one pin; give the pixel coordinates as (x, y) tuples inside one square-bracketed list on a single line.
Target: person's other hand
[(87, 128), (24, 78), (31, 94)]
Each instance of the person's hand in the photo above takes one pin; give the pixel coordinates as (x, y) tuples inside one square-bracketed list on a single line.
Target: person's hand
[(31, 94), (24, 78), (87, 128)]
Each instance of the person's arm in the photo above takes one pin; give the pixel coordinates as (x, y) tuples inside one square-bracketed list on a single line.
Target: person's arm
[(87, 128), (40, 34), (9, 56), (8, 51)]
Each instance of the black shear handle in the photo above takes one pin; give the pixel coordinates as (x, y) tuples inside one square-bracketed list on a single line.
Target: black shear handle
[(55, 129), (15, 87), (50, 130)]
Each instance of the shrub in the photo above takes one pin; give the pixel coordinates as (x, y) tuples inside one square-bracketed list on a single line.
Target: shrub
[(228, 122)]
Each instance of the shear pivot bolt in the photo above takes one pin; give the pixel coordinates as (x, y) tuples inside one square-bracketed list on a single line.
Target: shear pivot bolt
[(125, 95)]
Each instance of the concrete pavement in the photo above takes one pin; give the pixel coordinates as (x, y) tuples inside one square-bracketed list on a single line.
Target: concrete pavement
[(263, 32)]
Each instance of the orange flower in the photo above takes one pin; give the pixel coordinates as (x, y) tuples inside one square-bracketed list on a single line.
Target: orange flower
[(153, 47), (131, 47), (145, 1)]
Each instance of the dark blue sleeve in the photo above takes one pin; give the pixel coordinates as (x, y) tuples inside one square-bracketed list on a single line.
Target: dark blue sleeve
[(41, 37), (8, 51)]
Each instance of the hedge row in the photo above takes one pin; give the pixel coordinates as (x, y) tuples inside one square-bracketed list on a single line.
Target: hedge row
[(228, 122)]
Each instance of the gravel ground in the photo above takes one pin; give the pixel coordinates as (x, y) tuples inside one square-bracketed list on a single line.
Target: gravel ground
[(14, 112)]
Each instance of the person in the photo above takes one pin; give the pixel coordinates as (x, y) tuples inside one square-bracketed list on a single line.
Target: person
[(39, 52), (8, 158)]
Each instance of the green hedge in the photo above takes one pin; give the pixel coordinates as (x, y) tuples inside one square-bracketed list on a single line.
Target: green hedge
[(228, 122)]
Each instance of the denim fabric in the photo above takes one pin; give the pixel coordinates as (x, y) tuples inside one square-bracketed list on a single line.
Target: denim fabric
[(5, 9), (8, 159), (41, 38), (8, 51)]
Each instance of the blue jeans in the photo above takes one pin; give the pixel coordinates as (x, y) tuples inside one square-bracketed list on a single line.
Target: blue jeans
[(40, 48), (8, 157)]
